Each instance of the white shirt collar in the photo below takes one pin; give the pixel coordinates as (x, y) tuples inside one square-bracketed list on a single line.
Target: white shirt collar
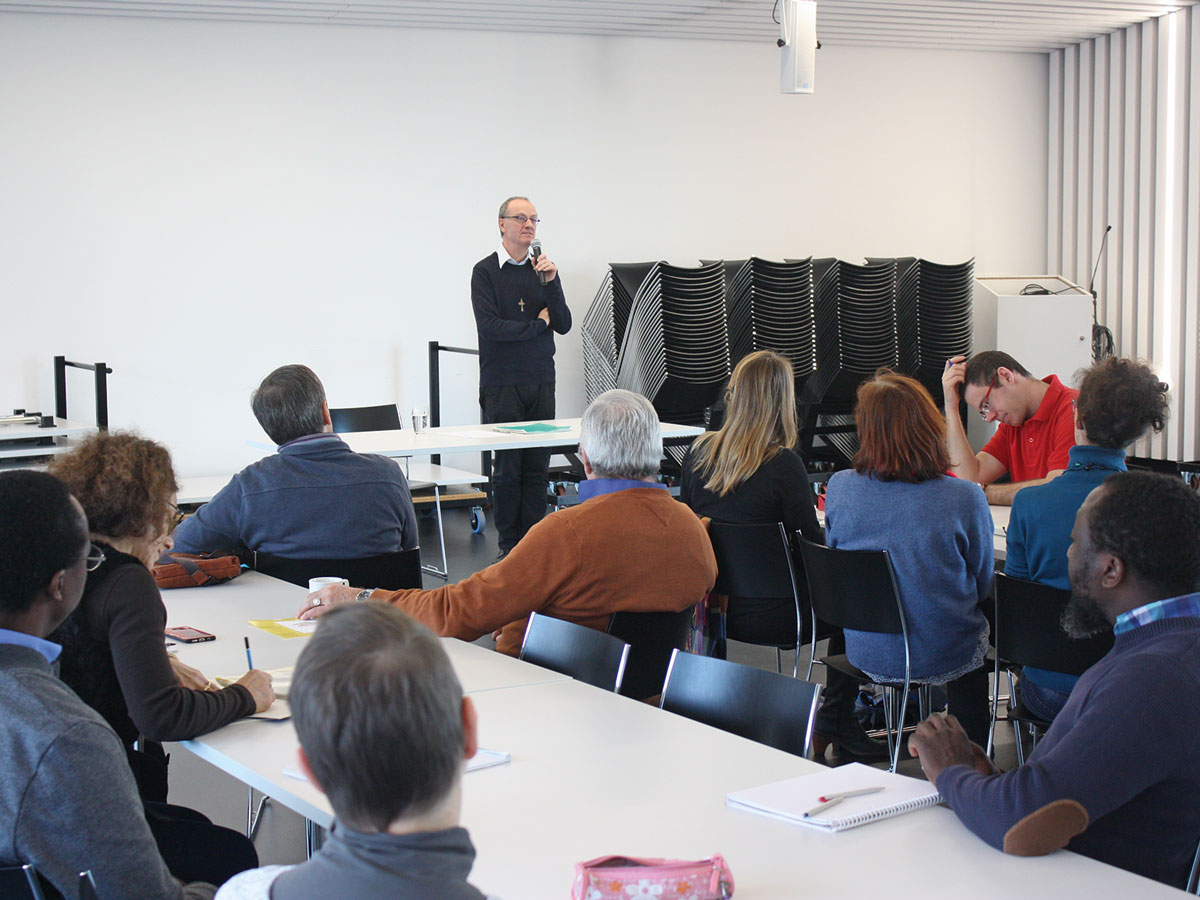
[(503, 257)]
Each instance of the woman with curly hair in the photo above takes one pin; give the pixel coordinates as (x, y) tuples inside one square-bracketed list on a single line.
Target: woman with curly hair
[(114, 656), (937, 530), (1119, 401)]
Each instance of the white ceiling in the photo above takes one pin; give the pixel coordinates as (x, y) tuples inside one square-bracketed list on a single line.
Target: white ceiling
[(1036, 26)]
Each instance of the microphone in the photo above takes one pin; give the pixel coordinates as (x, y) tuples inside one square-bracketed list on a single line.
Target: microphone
[(1102, 339), (535, 249), (1099, 256)]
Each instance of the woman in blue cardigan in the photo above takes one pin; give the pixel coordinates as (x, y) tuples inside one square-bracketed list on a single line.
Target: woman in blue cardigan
[(938, 531)]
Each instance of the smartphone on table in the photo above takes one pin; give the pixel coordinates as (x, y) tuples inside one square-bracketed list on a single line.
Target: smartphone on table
[(187, 635)]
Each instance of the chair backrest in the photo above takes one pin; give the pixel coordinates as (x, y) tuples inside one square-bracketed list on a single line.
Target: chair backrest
[(585, 654), (1193, 884), (365, 418), (753, 560), (401, 569), (763, 706), (853, 589), (87, 886), (20, 883), (652, 636), (1027, 630)]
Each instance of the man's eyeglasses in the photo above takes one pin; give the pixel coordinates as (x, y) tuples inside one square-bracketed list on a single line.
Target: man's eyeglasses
[(95, 558), (985, 405), (523, 218), (177, 516)]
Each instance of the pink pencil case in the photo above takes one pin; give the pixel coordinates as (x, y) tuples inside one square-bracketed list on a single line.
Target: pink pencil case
[(627, 877)]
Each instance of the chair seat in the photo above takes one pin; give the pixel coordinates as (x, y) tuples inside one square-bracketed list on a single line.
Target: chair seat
[(842, 663)]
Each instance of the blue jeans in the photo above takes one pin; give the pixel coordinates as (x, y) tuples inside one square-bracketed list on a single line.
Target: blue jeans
[(1043, 702)]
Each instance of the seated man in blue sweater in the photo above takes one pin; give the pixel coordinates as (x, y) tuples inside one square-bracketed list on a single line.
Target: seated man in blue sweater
[(384, 731), (1119, 399), (315, 498), (1117, 771)]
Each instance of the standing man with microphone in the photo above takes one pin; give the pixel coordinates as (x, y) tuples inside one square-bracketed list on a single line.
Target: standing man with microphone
[(518, 301)]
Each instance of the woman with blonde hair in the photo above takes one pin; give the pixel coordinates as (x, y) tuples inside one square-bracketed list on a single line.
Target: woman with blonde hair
[(114, 656), (747, 472), (938, 532)]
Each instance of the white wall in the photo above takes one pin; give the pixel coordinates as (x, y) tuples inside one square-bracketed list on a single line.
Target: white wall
[(198, 202)]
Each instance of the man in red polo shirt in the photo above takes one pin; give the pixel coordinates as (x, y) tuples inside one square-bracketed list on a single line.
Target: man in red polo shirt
[(1037, 423)]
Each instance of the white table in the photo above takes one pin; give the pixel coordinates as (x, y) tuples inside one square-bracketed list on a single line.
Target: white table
[(595, 773), (479, 438), (61, 434)]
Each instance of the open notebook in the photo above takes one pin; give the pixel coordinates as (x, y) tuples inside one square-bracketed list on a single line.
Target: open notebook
[(792, 798)]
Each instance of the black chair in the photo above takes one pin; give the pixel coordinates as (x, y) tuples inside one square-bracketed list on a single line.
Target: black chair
[(365, 418), (87, 886), (1026, 631), (857, 589), (349, 419), (20, 883), (766, 707), (400, 569), (584, 653), (754, 562), (652, 638)]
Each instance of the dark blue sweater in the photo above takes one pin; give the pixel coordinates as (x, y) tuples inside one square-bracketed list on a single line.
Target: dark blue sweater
[(515, 346), (1126, 746), (314, 499)]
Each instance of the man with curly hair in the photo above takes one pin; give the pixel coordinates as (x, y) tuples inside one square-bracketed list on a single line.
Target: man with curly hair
[(1115, 778), (1119, 400)]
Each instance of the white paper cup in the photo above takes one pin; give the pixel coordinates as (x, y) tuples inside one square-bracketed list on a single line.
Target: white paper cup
[(315, 584)]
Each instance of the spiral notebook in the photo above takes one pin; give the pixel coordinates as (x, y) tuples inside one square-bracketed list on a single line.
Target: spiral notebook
[(792, 798)]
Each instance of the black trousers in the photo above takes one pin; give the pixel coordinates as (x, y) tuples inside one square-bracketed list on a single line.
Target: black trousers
[(195, 849), (519, 477)]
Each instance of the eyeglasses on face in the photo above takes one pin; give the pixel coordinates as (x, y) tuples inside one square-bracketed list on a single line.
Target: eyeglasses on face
[(95, 558), (177, 516), (985, 405), (523, 218)]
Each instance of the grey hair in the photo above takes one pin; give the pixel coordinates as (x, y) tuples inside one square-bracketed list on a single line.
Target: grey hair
[(288, 404), (621, 436), (504, 205), (378, 710)]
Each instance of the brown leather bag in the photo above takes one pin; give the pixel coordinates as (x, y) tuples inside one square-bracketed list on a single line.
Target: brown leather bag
[(180, 570)]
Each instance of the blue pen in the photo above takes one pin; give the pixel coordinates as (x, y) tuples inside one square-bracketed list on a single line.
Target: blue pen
[(249, 661)]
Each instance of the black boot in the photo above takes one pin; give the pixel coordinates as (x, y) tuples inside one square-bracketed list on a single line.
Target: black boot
[(837, 725)]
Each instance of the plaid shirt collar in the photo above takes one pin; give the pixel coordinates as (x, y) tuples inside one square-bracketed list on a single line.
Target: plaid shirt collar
[(1187, 606)]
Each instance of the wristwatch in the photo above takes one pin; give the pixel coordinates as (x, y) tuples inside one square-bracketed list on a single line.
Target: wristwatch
[(364, 594)]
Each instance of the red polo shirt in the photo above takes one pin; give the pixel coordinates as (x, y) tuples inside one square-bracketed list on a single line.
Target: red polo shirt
[(1043, 443)]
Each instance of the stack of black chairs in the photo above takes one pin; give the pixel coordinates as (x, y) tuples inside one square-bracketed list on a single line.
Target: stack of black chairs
[(933, 318), (769, 306), (673, 334), (676, 346), (605, 325)]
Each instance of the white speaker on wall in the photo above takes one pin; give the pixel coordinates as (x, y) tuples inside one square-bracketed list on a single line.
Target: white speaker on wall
[(798, 43)]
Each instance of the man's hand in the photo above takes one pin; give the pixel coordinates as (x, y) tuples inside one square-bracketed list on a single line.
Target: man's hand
[(544, 315), (543, 264), (952, 381), (319, 603), (258, 683), (940, 742), (190, 678)]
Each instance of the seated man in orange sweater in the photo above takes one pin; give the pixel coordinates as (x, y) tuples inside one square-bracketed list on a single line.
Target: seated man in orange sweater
[(628, 546)]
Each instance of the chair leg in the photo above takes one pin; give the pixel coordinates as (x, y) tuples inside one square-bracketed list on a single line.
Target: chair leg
[(444, 571), (254, 813), (314, 837), (779, 660)]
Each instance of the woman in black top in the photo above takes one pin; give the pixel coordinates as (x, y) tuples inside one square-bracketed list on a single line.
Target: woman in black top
[(114, 656), (748, 473)]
